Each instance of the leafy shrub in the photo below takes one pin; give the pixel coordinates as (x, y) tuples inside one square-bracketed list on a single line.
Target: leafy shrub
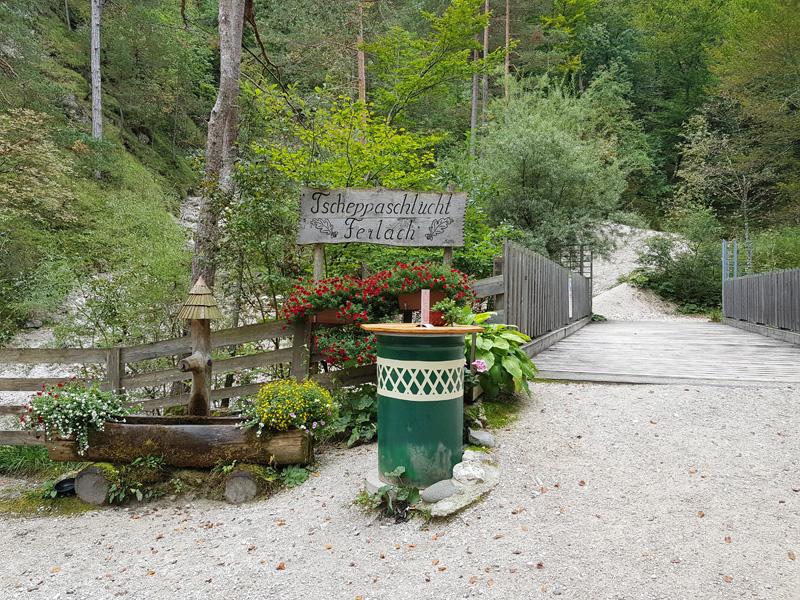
[(358, 414), (391, 499), (294, 475), (287, 404), (686, 271), (499, 362)]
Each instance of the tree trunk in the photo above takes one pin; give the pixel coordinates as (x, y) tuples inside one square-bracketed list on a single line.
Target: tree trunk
[(362, 76), (485, 92), (66, 9), (97, 102), (508, 43), (473, 121), (221, 144)]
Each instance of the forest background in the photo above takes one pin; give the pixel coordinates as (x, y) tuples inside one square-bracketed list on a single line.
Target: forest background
[(679, 115)]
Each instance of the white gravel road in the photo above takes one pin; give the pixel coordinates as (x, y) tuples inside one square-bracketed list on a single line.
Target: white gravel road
[(649, 492)]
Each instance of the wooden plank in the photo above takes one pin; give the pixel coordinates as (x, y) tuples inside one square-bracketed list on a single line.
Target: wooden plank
[(11, 409), (222, 365), (301, 350), (223, 337), (239, 391), (27, 384), (114, 369), (350, 377), (20, 438), (67, 356), (671, 351), (490, 286)]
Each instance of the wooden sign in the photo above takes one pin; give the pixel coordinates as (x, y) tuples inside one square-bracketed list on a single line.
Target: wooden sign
[(381, 216)]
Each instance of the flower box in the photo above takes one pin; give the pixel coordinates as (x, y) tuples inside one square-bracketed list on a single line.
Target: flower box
[(414, 301), (197, 442), (329, 316)]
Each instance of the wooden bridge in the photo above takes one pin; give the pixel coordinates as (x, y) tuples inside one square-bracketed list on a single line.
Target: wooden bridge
[(567, 346), (670, 352)]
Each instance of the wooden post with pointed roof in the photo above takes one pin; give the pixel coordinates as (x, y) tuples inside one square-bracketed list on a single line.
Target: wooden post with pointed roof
[(199, 308)]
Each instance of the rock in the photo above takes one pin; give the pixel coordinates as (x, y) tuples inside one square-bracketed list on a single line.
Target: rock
[(476, 456), (143, 138), (438, 491), (468, 472), (33, 324), (481, 438), (74, 110), (373, 483), (468, 494)]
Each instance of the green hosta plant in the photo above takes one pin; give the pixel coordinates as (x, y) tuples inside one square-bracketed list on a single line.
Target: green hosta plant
[(506, 365), (358, 414)]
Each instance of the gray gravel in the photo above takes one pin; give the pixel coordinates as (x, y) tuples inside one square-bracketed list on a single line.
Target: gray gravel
[(644, 488)]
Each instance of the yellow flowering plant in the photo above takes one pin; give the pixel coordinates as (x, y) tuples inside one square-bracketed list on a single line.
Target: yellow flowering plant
[(287, 404)]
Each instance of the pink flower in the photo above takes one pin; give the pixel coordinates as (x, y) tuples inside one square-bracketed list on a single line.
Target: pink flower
[(480, 366)]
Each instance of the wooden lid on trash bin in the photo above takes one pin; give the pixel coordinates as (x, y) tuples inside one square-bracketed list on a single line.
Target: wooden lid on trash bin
[(419, 329)]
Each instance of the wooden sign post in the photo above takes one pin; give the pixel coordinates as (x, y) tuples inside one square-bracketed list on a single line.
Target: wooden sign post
[(382, 216)]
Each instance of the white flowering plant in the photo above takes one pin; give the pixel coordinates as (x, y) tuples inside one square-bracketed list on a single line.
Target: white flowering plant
[(73, 408)]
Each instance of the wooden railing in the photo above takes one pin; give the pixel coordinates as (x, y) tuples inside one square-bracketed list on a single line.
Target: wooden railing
[(537, 292), (764, 299), (117, 376)]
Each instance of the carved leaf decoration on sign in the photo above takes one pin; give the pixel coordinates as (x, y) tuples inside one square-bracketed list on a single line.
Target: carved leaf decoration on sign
[(437, 227), (325, 226)]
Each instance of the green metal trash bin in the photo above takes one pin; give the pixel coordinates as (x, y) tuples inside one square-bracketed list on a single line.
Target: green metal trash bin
[(420, 400)]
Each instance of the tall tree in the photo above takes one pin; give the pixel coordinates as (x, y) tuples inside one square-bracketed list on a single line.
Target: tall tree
[(221, 145), (97, 101)]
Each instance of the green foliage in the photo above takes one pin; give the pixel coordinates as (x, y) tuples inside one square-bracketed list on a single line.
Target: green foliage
[(776, 249), (344, 144), (391, 499), (31, 461), (758, 90), (47, 491), (554, 175), (358, 414), (407, 68), (294, 475), (346, 346), (686, 269), (224, 468), (139, 479), (507, 367)]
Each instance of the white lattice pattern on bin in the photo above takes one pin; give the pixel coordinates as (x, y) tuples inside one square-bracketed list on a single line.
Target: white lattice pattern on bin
[(421, 381)]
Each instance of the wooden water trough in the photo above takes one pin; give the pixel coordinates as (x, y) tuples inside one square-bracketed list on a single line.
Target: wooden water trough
[(196, 442)]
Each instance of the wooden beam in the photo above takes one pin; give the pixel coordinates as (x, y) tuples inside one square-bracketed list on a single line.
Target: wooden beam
[(65, 356), (21, 438)]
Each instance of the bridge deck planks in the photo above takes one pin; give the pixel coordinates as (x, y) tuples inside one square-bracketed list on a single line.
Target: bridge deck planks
[(670, 352)]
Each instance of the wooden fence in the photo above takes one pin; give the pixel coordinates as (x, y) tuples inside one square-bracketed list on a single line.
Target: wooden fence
[(764, 299), (120, 367), (537, 292)]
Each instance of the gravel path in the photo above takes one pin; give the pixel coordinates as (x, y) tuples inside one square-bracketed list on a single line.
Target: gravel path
[(651, 492)]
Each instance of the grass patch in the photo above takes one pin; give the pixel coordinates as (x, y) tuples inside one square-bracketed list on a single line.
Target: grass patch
[(32, 461), (30, 506), (502, 411)]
